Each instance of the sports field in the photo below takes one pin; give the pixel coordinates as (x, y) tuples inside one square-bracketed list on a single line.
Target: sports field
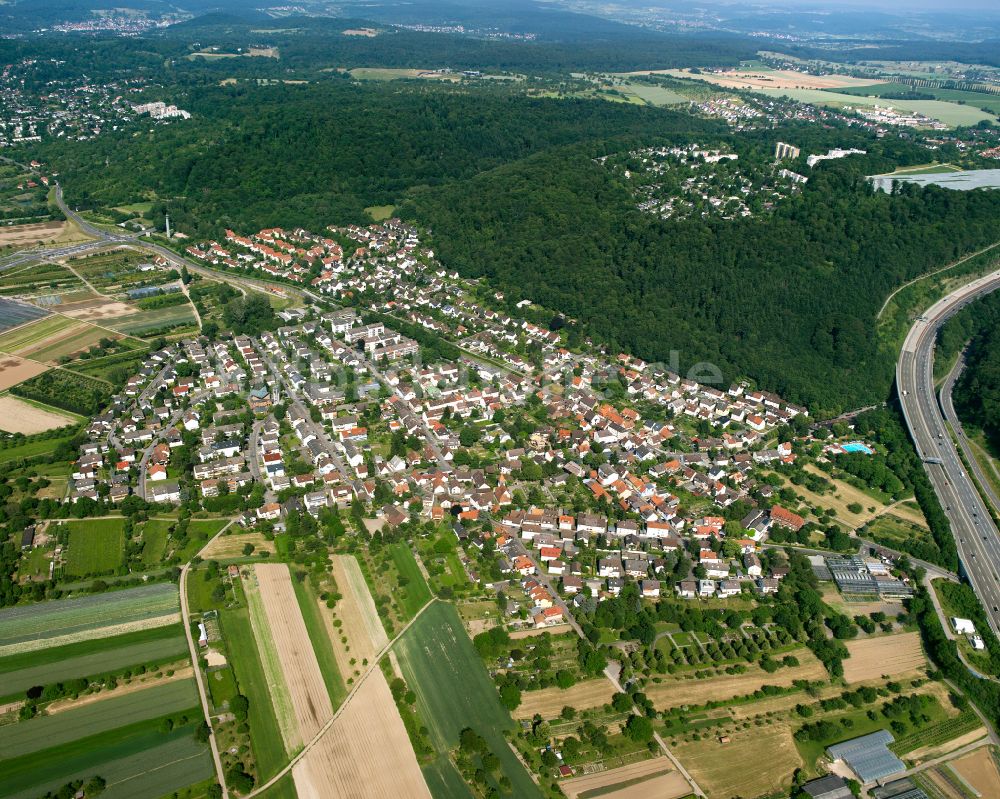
[(96, 546), (28, 628), (454, 691)]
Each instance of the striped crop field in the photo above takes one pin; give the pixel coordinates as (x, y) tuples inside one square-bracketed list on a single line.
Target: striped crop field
[(66, 621)]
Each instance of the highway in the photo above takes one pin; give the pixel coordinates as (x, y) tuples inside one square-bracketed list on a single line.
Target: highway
[(975, 534)]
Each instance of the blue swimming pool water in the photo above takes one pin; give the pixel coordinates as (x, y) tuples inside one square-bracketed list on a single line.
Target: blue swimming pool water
[(857, 446)]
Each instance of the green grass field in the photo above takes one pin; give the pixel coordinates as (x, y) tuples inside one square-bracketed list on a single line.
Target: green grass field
[(32, 448), (415, 594), (154, 540), (443, 781), (222, 685), (144, 321), (96, 546), (43, 732), (454, 691), (138, 762), (987, 102), (161, 649), (321, 643), (265, 736), (282, 789)]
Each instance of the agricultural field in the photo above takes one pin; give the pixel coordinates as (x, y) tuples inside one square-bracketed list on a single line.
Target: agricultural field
[(368, 738), (91, 658), (145, 322), (94, 546), (97, 616), (656, 777), (34, 233), (30, 335), (413, 592), (757, 761), (980, 770), (548, 702), (137, 760), (454, 691), (38, 279), (324, 637), (674, 692), (230, 546), (14, 370), (24, 416), (43, 732), (310, 702), (119, 269), (888, 655)]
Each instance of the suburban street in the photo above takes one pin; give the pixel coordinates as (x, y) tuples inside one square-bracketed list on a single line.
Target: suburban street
[(975, 534)]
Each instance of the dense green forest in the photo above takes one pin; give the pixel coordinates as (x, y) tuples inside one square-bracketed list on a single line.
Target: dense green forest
[(977, 392), (788, 299), (314, 155)]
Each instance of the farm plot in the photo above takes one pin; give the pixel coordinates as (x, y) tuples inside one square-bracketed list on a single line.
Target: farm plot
[(96, 546), (231, 546), (96, 309), (156, 319), (454, 691), (755, 762), (38, 278), (32, 334), (415, 593), (549, 702), (43, 732), (67, 341), (14, 370), (980, 770), (113, 658), (357, 614), (19, 416), (678, 692), (270, 660), (310, 701), (367, 739), (137, 763), (890, 655), (68, 621), (36, 233), (656, 777), (773, 79)]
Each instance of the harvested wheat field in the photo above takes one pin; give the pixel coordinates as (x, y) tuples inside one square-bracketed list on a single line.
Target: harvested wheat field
[(30, 234), (755, 762), (774, 79), (678, 692), (369, 739), (14, 370), (656, 777), (231, 546), (359, 619), (980, 770), (549, 702), (886, 655), (18, 416), (89, 310), (310, 700)]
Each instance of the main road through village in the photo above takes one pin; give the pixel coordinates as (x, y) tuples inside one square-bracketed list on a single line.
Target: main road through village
[(972, 524)]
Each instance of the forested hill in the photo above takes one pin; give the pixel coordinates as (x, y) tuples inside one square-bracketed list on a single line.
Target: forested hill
[(977, 393), (787, 299), (312, 155)]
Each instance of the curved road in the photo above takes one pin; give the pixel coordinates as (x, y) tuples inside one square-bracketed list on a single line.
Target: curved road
[(976, 536)]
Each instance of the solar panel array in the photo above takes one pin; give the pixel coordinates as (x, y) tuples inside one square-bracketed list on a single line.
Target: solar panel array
[(868, 756)]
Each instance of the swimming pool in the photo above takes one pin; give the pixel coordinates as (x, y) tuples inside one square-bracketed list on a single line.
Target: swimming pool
[(857, 446)]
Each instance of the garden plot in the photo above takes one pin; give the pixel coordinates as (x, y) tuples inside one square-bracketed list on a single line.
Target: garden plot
[(656, 777), (67, 621), (366, 753), (888, 655)]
